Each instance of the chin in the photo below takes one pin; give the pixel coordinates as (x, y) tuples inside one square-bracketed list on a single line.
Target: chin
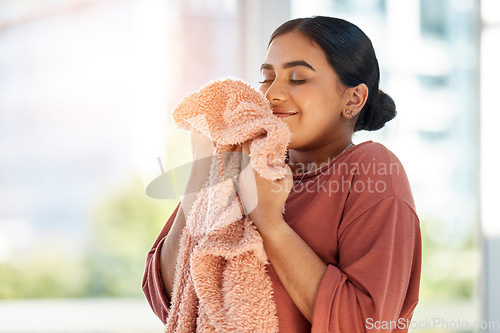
[(292, 144)]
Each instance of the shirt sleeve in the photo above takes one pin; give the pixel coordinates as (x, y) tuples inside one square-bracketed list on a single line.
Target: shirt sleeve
[(375, 286), (152, 283)]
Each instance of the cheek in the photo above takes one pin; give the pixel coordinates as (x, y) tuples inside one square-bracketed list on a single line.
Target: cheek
[(317, 106), (318, 94), (305, 97)]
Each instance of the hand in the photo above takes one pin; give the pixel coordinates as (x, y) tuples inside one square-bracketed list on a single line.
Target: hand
[(201, 146), (263, 199), (202, 149)]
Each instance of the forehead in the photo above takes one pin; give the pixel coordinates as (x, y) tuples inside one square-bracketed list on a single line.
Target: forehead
[(293, 46)]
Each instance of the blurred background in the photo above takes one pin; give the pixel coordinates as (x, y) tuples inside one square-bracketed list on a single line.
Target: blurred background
[(86, 92)]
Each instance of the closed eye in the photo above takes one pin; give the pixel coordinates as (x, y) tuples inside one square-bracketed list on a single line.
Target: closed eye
[(292, 81)]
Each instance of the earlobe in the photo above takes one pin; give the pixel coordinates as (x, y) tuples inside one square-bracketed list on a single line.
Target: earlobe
[(349, 114)]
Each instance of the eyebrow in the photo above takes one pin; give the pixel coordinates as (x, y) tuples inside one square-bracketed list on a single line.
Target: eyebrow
[(290, 64)]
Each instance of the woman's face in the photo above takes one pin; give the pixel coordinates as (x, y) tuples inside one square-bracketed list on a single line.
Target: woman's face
[(303, 90)]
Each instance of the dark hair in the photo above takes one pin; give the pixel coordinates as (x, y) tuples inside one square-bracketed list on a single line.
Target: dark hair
[(350, 53)]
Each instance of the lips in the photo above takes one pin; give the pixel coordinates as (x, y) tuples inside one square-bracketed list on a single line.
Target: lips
[(283, 113)]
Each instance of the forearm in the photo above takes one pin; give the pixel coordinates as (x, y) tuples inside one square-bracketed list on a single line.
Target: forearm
[(298, 267), (170, 251)]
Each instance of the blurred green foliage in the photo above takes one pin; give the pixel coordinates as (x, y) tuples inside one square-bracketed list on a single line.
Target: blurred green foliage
[(123, 227), (450, 262), (47, 272), (125, 223), (123, 231)]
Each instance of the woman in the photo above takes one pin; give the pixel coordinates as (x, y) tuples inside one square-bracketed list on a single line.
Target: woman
[(345, 255)]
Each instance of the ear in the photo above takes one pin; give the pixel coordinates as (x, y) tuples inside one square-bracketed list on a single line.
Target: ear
[(356, 99)]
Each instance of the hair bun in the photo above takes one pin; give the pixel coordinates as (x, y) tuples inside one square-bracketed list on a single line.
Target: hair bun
[(374, 117)]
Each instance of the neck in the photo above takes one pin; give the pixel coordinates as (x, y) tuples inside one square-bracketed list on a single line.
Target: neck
[(304, 160)]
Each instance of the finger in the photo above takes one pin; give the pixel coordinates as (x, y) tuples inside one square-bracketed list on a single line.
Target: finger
[(247, 189), (246, 147), (245, 159)]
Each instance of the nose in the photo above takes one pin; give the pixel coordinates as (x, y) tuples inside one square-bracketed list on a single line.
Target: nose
[(276, 92)]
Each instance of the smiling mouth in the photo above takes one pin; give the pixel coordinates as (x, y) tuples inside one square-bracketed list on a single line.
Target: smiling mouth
[(280, 113)]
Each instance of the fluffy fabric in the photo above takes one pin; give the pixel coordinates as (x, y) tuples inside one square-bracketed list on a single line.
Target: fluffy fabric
[(221, 284), (231, 112)]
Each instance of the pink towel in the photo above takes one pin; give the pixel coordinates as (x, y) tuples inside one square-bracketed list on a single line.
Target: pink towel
[(221, 284)]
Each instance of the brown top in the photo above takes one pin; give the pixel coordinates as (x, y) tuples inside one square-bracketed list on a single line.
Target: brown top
[(357, 213)]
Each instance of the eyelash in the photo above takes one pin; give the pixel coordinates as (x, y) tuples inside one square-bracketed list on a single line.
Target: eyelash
[(295, 82)]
